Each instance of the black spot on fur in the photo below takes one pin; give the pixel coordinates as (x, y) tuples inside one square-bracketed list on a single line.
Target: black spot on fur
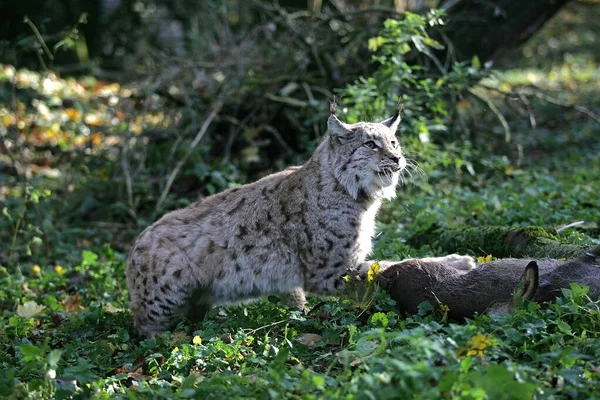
[(141, 248), (237, 268), (234, 255), (247, 247), (177, 274), (165, 288), (153, 313), (155, 279), (211, 247), (308, 234), (322, 264), (151, 318), (171, 302), (221, 274), (243, 231), (164, 307), (356, 178), (329, 244)]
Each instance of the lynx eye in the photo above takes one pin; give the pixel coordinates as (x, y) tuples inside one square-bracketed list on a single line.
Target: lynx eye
[(371, 144)]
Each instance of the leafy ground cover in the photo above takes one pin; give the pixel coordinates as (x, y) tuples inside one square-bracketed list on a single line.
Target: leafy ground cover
[(65, 331)]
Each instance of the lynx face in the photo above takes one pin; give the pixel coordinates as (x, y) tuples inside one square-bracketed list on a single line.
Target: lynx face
[(368, 157)]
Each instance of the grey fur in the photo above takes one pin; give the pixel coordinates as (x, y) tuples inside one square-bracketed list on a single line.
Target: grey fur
[(298, 230)]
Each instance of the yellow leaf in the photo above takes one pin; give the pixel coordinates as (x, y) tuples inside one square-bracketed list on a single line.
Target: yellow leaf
[(73, 114), (197, 341), (29, 310), (96, 139)]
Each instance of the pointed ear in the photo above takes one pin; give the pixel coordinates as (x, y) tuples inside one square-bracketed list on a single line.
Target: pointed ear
[(337, 128), (394, 122)]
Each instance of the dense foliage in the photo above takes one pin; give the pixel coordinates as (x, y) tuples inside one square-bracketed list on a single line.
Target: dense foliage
[(85, 163)]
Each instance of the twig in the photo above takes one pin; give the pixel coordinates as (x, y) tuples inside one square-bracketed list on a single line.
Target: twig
[(571, 225), (576, 107), (494, 109), (39, 37), (251, 331), (187, 155)]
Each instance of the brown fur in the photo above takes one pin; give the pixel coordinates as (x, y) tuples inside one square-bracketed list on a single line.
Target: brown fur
[(486, 289)]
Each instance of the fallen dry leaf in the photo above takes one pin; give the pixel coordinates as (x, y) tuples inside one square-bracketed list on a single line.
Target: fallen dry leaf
[(72, 304), (29, 310)]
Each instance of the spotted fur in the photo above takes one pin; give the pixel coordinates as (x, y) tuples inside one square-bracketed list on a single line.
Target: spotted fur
[(298, 230)]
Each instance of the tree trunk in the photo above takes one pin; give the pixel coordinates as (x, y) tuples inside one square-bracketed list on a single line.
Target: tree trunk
[(487, 29)]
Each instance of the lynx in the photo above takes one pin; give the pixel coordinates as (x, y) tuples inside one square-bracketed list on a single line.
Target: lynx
[(296, 231)]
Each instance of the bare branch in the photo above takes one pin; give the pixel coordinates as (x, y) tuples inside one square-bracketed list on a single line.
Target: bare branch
[(179, 165)]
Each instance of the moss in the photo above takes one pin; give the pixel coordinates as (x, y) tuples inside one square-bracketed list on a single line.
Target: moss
[(530, 241)]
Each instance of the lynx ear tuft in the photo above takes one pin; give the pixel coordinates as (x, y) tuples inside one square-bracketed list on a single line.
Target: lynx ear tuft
[(337, 128), (333, 106), (394, 122)]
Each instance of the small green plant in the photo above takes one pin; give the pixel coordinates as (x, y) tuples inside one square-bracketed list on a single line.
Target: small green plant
[(20, 227)]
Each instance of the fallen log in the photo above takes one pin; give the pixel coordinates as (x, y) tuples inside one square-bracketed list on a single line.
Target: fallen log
[(502, 242)]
